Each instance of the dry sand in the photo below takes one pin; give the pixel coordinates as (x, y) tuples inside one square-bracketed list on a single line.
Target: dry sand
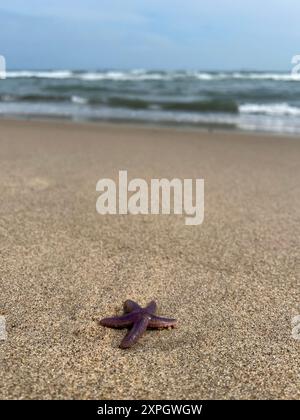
[(232, 282)]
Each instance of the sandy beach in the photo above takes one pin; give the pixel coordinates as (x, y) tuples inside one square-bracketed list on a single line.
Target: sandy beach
[(232, 282)]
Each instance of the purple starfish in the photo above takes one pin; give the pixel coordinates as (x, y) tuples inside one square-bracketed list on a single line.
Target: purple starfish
[(140, 319)]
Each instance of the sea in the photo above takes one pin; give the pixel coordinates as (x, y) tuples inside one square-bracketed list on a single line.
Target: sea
[(242, 100)]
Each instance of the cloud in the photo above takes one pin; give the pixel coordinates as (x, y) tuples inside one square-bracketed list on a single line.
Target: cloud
[(150, 33)]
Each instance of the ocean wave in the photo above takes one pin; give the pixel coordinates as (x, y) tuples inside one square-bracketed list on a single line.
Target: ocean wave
[(125, 76), (243, 121), (270, 109), (202, 106), (143, 75), (34, 98), (42, 98), (214, 106), (59, 74), (134, 103), (133, 75), (193, 106), (283, 77)]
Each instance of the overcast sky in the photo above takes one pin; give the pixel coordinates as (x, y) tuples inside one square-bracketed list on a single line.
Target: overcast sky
[(151, 34)]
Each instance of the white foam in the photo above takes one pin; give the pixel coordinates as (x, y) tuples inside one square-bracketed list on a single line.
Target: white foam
[(124, 76), (63, 74), (204, 76), (284, 77), (270, 109), (79, 100), (141, 75)]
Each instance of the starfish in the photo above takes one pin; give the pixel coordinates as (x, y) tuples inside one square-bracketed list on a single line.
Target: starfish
[(139, 319)]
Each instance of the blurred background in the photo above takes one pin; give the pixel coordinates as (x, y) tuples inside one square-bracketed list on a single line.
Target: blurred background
[(209, 63)]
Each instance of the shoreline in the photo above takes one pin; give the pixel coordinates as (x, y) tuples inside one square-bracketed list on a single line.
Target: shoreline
[(149, 125)]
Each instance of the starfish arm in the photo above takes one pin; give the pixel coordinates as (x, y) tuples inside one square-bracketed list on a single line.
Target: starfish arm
[(160, 322), (117, 321), (130, 305), (151, 307), (135, 333)]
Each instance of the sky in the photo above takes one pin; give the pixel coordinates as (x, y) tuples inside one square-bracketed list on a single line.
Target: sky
[(150, 34)]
